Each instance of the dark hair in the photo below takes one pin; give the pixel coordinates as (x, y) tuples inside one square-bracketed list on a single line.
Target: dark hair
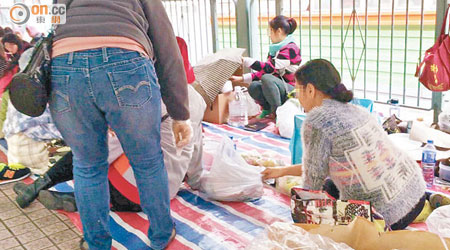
[(14, 60), (8, 30), (324, 76), (2, 32), (12, 38), (2, 52), (288, 25)]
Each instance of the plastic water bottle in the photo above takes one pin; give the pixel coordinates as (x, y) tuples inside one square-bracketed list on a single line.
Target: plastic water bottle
[(395, 108), (428, 162), (238, 109)]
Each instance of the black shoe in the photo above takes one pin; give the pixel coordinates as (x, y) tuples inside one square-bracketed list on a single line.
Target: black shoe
[(58, 201), (13, 172), (28, 193)]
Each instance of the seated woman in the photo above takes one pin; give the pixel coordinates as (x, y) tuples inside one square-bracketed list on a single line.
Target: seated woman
[(344, 142), (27, 136), (274, 79)]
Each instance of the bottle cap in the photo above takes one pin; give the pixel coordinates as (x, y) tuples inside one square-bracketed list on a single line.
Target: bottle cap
[(394, 101), (430, 141)]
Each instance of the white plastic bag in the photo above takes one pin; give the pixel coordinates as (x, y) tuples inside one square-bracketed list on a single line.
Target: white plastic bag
[(284, 184), (439, 221), (284, 236), (253, 108), (285, 117), (444, 120), (230, 177)]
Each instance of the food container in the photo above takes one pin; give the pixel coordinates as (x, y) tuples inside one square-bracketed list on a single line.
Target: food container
[(444, 172)]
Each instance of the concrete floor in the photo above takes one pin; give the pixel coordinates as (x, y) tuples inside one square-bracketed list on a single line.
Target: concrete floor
[(34, 227)]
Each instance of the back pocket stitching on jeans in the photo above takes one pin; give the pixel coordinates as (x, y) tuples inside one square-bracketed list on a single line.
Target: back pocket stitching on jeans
[(134, 89), (61, 94), (117, 89)]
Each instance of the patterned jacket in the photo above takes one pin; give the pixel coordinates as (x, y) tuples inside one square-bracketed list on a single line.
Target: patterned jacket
[(283, 64), (345, 142)]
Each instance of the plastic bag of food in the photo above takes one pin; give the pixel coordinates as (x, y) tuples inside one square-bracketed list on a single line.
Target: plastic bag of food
[(267, 159), (439, 221), (286, 183), (282, 235), (230, 177)]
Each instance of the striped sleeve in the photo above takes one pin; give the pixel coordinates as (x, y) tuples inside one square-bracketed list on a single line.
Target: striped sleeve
[(262, 68), (286, 60)]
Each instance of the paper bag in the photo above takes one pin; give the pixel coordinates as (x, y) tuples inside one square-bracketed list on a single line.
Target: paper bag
[(317, 207)]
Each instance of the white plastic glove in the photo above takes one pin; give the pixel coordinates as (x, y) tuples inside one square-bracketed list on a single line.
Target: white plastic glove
[(182, 133)]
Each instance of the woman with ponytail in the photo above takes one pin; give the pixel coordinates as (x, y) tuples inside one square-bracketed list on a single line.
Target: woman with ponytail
[(344, 142), (274, 79)]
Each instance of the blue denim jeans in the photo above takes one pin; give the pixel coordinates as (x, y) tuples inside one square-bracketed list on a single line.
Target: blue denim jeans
[(90, 91)]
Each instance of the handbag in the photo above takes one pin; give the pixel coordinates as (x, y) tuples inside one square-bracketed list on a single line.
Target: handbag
[(30, 89), (434, 70), (318, 207)]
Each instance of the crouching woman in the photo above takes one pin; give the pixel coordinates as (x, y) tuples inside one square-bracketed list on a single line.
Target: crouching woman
[(345, 143)]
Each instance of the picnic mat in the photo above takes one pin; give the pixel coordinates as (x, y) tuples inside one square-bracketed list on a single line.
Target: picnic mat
[(205, 224)]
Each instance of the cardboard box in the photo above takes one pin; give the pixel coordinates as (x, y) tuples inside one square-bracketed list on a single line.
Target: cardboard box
[(363, 234), (217, 112)]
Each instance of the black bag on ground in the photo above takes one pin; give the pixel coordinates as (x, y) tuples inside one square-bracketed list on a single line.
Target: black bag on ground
[(29, 90)]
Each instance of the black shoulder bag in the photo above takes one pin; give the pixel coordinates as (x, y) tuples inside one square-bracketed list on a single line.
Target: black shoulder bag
[(30, 89)]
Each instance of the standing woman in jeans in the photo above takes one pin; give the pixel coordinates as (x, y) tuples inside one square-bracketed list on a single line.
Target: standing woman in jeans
[(274, 79), (112, 62)]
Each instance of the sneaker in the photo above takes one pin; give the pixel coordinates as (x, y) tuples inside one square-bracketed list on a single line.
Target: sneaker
[(58, 201), (13, 172), (437, 200)]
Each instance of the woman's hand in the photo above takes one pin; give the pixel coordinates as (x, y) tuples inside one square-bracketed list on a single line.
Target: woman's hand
[(237, 79), (272, 173)]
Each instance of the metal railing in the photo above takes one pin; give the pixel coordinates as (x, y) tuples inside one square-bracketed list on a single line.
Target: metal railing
[(191, 21), (206, 25), (375, 44)]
